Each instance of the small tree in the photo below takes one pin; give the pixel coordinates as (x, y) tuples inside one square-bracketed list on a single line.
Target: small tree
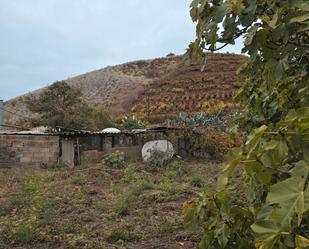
[(101, 118), (62, 105), (132, 122)]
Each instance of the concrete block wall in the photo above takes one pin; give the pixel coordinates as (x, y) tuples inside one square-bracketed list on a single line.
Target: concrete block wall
[(133, 153), (28, 149)]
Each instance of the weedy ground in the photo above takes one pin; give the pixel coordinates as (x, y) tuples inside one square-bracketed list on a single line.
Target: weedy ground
[(99, 207)]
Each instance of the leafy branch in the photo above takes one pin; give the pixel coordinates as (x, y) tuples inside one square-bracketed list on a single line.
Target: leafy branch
[(268, 201)]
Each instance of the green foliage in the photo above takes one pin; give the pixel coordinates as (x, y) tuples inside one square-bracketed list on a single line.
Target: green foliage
[(22, 228), (198, 120), (114, 160), (44, 209), (224, 221), (132, 122), (158, 158), (123, 204), (21, 234), (211, 143), (267, 206), (141, 187), (62, 105), (168, 227), (126, 200), (122, 235), (170, 54), (79, 179), (100, 118), (277, 42), (196, 181), (216, 143)]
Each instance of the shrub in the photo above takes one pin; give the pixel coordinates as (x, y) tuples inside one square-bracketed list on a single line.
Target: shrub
[(170, 54), (79, 179), (125, 201), (122, 235), (160, 118), (217, 144), (158, 158), (123, 204), (196, 181), (114, 160), (205, 120), (132, 122), (63, 105), (20, 234), (198, 143), (141, 187), (22, 227), (213, 142)]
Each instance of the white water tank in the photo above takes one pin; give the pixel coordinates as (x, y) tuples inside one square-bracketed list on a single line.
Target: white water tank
[(161, 145), (110, 130)]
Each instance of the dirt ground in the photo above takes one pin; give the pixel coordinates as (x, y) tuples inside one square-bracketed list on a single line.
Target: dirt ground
[(100, 207)]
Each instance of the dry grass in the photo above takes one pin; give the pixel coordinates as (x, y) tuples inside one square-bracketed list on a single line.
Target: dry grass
[(99, 208)]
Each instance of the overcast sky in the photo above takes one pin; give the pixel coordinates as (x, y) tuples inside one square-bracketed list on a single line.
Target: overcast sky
[(47, 40)]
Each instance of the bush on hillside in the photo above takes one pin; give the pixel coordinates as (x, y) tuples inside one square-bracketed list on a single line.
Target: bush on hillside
[(158, 158), (61, 105), (132, 122), (114, 160)]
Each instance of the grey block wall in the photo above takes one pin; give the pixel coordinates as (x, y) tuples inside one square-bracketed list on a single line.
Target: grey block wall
[(18, 150)]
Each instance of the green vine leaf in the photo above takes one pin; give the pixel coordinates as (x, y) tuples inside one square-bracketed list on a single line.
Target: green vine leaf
[(266, 227), (254, 138), (289, 195), (268, 242), (235, 156), (301, 169), (301, 242), (270, 192)]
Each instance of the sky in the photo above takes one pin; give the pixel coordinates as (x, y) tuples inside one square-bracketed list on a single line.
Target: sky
[(42, 41)]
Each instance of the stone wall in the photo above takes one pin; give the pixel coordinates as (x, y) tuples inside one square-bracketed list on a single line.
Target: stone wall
[(18, 150)]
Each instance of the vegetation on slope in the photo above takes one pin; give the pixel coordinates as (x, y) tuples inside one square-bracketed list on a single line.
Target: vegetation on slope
[(61, 105), (187, 89), (156, 87)]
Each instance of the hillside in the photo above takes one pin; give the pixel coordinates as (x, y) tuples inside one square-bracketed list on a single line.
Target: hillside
[(155, 87), (187, 89)]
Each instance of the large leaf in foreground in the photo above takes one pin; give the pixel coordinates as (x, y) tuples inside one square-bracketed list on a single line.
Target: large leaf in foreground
[(302, 242), (290, 197)]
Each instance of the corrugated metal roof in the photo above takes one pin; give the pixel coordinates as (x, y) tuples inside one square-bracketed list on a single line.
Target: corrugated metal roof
[(68, 133), (26, 133)]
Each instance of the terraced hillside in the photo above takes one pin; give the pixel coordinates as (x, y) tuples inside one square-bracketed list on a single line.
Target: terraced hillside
[(163, 86), (187, 89)]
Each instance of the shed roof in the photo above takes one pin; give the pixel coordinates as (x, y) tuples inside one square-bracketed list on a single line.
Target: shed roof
[(32, 133), (74, 133)]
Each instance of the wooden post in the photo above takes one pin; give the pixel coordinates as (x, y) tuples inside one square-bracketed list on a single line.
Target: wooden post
[(113, 141), (101, 142)]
